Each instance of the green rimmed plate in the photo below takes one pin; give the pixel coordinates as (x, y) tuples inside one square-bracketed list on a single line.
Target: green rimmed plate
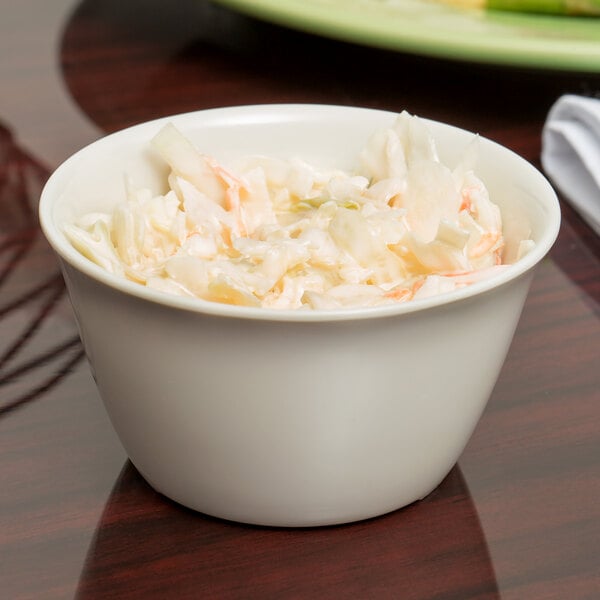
[(428, 28)]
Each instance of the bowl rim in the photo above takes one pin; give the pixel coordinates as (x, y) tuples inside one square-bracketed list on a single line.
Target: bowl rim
[(238, 114)]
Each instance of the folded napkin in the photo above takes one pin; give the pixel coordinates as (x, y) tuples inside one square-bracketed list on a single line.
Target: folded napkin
[(571, 153)]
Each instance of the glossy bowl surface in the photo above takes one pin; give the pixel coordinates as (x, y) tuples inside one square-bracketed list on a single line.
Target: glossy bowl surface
[(291, 418)]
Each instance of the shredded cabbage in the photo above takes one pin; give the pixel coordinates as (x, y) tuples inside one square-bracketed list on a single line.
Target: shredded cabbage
[(288, 235)]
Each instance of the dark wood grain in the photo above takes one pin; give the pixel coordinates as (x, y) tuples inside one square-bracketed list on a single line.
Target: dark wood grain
[(433, 549), (518, 517)]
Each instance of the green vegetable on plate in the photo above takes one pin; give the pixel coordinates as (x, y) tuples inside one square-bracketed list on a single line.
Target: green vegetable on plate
[(556, 7)]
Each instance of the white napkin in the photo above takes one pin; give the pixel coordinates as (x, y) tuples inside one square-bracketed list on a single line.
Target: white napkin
[(571, 153)]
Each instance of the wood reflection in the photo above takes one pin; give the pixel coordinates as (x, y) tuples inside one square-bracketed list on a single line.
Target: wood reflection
[(123, 64), (146, 545)]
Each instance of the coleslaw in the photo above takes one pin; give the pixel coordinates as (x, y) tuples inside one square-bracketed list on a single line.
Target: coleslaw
[(288, 235)]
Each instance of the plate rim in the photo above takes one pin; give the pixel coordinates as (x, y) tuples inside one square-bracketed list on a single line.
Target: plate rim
[(324, 18)]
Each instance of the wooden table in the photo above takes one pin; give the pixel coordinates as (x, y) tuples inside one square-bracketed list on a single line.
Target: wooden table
[(518, 517)]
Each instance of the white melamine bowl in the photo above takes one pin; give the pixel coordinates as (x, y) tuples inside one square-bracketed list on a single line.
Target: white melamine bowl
[(280, 417)]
